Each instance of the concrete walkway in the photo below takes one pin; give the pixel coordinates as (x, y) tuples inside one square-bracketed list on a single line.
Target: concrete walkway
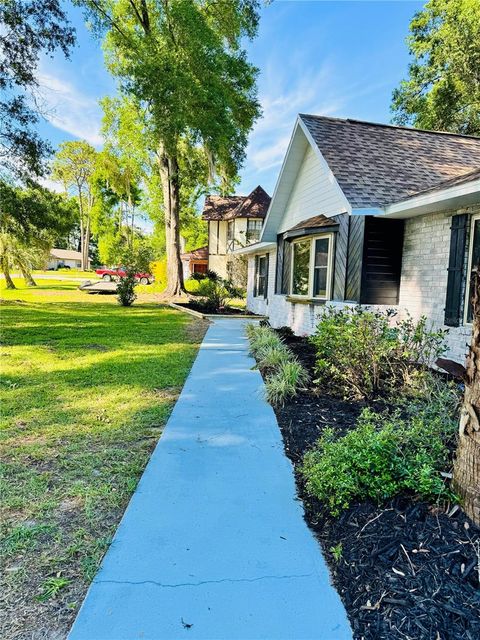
[(213, 545)]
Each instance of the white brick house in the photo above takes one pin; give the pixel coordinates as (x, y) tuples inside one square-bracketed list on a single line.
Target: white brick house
[(370, 214)]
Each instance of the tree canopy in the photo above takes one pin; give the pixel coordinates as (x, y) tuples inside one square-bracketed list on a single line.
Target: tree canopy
[(443, 88), (183, 69), (28, 28)]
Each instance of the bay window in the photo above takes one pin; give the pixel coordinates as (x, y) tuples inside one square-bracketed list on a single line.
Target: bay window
[(311, 267), (473, 261)]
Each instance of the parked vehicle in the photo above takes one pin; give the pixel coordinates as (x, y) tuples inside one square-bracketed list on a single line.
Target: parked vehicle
[(114, 273)]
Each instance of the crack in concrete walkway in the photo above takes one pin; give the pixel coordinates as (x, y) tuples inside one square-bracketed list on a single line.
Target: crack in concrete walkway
[(216, 499)]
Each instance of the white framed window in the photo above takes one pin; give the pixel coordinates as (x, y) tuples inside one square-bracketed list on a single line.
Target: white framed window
[(230, 235), (254, 229), (312, 260), (473, 261), (261, 275)]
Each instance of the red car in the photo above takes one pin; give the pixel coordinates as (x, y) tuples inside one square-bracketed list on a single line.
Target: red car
[(119, 272)]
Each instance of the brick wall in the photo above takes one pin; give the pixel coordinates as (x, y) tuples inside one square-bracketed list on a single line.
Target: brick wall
[(423, 282)]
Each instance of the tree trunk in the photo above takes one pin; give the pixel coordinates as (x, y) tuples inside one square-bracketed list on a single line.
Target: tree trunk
[(171, 200), (6, 272), (27, 275), (466, 472), (86, 246)]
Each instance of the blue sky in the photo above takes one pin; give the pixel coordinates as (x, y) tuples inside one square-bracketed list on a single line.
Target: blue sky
[(331, 58)]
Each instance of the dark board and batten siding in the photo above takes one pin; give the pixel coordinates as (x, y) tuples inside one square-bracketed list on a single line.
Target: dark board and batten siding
[(355, 257), (382, 261)]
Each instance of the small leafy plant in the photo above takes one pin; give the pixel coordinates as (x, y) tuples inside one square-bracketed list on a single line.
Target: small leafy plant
[(126, 295), (285, 382), (385, 454), (52, 587)]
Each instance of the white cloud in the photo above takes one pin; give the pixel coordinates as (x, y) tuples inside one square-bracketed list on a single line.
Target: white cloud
[(70, 109)]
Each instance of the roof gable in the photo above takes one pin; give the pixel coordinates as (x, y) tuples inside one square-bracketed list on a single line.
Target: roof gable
[(378, 164), (255, 205)]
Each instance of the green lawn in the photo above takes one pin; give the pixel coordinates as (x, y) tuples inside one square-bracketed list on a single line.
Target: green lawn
[(87, 387)]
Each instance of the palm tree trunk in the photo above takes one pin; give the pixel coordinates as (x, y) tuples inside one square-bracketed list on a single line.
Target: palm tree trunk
[(6, 272), (171, 200), (466, 472), (27, 275)]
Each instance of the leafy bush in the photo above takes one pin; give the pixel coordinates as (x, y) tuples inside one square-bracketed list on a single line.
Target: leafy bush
[(361, 354), (284, 375), (126, 289), (215, 294), (385, 454)]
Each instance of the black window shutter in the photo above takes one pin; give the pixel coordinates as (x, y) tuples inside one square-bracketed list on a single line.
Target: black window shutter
[(453, 303), (255, 276), (286, 266), (279, 266), (265, 289)]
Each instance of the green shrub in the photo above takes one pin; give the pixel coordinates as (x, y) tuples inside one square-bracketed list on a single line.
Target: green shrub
[(385, 454), (126, 290), (215, 294), (285, 382), (360, 353)]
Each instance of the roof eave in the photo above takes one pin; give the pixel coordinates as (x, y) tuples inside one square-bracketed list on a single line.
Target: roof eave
[(446, 199), (257, 247)]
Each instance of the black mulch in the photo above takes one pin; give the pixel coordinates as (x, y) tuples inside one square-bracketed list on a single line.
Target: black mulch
[(224, 311), (408, 570)]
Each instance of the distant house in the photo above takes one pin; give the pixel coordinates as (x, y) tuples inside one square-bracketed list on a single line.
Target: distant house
[(194, 262), (65, 258), (370, 214), (233, 222)]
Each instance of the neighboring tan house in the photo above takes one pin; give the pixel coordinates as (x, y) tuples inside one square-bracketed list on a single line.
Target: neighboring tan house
[(233, 222), (370, 214), (195, 261), (65, 258)]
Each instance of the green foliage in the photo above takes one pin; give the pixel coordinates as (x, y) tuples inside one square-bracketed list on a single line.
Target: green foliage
[(285, 382), (386, 454), (443, 89), (214, 295), (30, 29), (52, 587), (337, 551), (126, 295), (284, 375), (25, 211), (135, 259), (182, 69), (361, 353)]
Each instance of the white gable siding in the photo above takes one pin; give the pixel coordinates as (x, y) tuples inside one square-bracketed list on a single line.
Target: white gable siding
[(313, 193)]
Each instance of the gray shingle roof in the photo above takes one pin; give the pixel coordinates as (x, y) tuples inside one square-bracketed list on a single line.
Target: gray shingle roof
[(377, 164)]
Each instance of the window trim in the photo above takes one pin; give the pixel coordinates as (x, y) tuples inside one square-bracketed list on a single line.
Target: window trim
[(311, 267), (257, 275), (475, 217)]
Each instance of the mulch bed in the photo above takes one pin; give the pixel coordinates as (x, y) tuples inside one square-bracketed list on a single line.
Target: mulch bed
[(408, 570), (224, 311)]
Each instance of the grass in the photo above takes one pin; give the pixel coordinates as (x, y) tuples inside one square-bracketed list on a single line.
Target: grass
[(67, 273), (86, 388)]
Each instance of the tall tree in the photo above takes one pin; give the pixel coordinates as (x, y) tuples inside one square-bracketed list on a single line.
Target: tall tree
[(28, 28), (74, 166), (184, 66), (443, 88)]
